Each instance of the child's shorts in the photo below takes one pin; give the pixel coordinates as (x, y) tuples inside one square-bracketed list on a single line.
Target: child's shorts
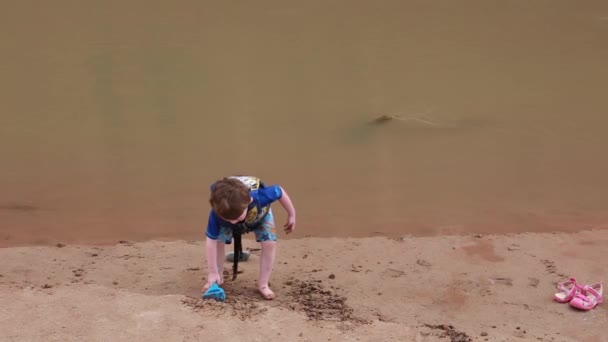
[(265, 232)]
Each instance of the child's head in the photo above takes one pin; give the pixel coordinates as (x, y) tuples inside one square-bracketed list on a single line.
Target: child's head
[(230, 199)]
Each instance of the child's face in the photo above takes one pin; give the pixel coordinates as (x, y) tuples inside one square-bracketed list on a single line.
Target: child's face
[(240, 218)]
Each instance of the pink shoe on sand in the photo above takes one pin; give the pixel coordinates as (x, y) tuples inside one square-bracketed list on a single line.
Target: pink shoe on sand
[(567, 290), (589, 297)]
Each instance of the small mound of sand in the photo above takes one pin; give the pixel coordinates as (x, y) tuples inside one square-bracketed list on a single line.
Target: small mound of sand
[(241, 307), (245, 309), (320, 304), (451, 333), (200, 305)]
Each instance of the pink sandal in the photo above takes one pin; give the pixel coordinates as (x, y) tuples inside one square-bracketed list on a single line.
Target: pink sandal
[(589, 298), (567, 290)]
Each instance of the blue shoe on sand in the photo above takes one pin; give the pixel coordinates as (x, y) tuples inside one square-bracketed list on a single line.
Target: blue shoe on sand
[(215, 292)]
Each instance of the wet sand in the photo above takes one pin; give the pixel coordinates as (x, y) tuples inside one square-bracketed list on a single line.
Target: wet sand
[(450, 288)]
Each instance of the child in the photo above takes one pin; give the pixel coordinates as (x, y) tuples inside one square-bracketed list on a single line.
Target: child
[(241, 204)]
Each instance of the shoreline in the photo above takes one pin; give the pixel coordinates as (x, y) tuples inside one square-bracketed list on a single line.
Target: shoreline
[(486, 287), (28, 240)]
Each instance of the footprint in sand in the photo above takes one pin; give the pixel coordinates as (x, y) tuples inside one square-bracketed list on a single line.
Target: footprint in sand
[(393, 273), (551, 268), (502, 281), (533, 282), (513, 247), (423, 263), (78, 272)]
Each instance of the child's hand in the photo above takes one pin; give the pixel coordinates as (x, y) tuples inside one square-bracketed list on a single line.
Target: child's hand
[(285, 201), (211, 279), (290, 226)]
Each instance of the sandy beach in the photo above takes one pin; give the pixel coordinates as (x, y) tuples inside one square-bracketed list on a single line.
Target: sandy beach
[(448, 288), (446, 159)]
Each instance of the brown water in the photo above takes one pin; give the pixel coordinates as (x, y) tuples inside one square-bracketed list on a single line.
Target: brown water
[(116, 115)]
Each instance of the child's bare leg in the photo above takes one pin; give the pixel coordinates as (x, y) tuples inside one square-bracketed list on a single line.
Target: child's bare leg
[(266, 263), (220, 260)]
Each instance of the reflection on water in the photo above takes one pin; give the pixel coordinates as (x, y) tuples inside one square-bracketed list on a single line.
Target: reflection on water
[(116, 116)]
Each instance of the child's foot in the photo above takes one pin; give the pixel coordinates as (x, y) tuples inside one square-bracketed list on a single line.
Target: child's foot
[(266, 292)]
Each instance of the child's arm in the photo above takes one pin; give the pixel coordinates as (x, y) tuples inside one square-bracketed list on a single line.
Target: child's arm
[(213, 276), (285, 201)]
